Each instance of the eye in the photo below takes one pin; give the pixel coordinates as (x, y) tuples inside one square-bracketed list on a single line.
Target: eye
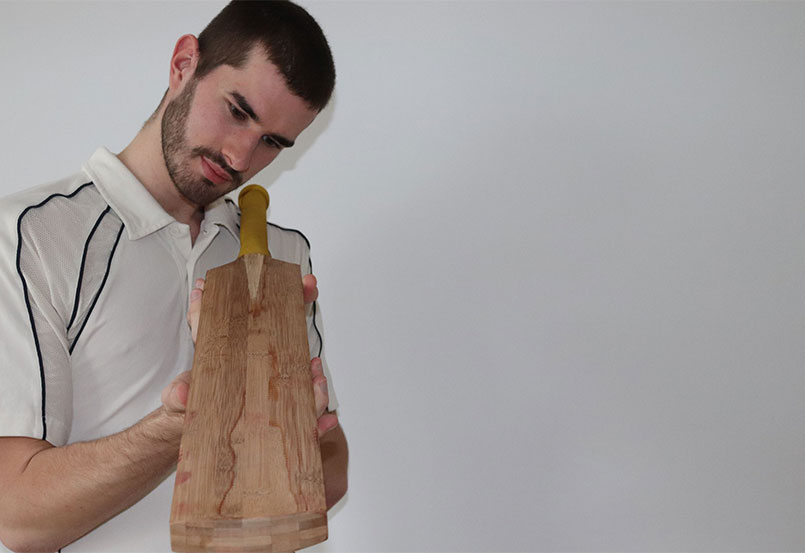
[(271, 142), (236, 113)]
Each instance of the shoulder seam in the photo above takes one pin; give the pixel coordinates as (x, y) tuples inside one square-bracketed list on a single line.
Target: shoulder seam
[(299, 232), (316, 328), (100, 289), (27, 299), (83, 263)]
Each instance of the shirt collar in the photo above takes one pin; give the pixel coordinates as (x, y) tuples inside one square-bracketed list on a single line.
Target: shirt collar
[(140, 212), (224, 212)]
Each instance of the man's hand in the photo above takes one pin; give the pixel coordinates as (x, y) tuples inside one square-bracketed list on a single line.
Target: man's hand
[(310, 289), (326, 420), (194, 309), (174, 396)]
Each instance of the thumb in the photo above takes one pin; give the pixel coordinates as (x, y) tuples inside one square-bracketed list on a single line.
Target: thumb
[(174, 396), (194, 309)]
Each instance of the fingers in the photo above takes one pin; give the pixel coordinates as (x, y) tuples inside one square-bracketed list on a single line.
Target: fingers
[(174, 396), (320, 393), (194, 309), (310, 288), (326, 420)]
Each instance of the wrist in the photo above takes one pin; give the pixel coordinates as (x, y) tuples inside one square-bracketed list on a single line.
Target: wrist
[(165, 425), (161, 429)]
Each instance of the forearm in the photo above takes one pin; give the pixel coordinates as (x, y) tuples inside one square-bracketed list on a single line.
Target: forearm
[(64, 492)]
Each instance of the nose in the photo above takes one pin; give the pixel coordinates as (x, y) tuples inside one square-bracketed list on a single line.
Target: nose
[(238, 150)]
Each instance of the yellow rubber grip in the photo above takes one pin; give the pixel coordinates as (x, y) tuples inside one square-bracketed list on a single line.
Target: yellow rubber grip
[(253, 202)]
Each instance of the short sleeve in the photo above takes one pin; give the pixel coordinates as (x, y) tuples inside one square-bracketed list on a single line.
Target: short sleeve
[(36, 391)]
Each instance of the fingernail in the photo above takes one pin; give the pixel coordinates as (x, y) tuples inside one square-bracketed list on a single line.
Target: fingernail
[(195, 294)]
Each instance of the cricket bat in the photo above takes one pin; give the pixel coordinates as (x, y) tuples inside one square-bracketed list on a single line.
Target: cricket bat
[(249, 477)]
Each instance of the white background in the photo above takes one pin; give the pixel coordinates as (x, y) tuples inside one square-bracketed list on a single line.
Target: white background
[(560, 252)]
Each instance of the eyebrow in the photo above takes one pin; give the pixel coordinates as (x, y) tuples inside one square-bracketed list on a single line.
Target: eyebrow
[(247, 109)]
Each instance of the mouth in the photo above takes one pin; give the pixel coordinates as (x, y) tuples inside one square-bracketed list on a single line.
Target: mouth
[(214, 172)]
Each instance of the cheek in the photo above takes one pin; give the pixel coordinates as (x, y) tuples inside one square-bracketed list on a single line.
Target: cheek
[(204, 124)]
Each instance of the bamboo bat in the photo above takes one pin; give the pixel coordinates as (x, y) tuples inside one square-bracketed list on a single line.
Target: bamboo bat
[(249, 476)]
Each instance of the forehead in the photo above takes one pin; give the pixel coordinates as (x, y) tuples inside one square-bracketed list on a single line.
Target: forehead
[(264, 88)]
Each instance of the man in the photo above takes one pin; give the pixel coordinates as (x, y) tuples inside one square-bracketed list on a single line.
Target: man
[(96, 272)]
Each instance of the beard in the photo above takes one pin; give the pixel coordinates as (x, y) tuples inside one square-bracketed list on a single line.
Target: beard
[(195, 188)]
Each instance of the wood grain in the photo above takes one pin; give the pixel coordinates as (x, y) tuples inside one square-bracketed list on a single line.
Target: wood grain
[(249, 476)]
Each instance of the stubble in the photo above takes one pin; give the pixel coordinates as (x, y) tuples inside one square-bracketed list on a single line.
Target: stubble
[(178, 158)]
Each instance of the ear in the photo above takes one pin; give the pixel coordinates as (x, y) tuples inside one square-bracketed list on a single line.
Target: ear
[(183, 61)]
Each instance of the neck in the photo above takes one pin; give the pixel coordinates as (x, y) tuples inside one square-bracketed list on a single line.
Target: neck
[(143, 157)]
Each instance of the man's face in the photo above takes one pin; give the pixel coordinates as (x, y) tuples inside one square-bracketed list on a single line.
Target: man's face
[(222, 129)]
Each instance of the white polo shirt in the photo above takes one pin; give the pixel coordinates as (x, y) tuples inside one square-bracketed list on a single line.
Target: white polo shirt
[(95, 278)]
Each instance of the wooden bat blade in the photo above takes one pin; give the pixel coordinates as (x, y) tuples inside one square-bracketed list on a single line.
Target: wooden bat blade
[(249, 476)]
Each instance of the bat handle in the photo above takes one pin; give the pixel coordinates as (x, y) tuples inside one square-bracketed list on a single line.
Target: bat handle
[(253, 202)]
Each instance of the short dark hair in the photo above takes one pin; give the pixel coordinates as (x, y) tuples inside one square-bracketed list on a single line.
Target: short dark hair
[(290, 37)]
